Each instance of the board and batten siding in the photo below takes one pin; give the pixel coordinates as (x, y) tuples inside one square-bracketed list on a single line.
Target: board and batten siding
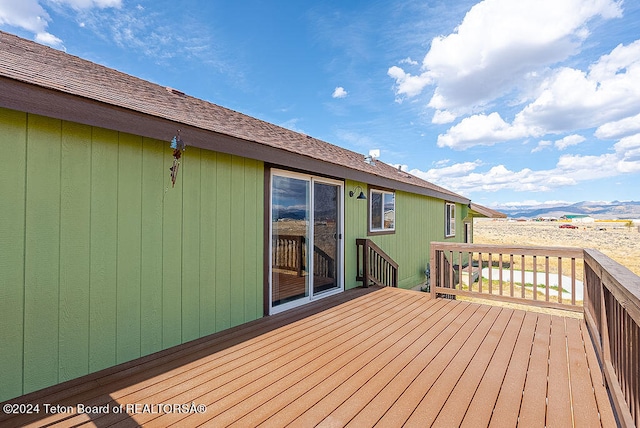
[(420, 220), (102, 261)]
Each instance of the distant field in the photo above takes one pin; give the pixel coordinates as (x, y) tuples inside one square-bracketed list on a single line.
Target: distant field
[(617, 241)]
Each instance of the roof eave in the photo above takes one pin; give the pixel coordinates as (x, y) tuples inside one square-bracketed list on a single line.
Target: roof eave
[(22, 96), (476, 210)]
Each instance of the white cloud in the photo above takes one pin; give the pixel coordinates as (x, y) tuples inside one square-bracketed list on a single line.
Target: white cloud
[(568, 100), (498, 43), (570, 170), (409, 61), (88, 4), (570, 140), (27, 14), (439, 174), (31, 16), (618, 129), (480, 129), (541, 146), (442, 162), (574, 99), (406, 84), (530, 203), (628, 149), (339, 92), (441, 117), (50, 40)]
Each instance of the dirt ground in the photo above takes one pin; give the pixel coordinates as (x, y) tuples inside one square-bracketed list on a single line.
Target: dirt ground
[(615, 239)]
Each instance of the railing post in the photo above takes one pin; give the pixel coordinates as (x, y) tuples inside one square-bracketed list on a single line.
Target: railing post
[(433, 271), (365, 263), (299, 242)]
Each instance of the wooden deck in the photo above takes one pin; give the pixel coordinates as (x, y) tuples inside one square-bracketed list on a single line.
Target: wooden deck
[(386, 357)]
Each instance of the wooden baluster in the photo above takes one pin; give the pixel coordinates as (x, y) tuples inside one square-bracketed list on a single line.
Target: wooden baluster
[(511, 275), (560, 285)]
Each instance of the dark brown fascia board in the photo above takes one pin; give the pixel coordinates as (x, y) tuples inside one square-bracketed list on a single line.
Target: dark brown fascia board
[(34, 99), (481, 211)]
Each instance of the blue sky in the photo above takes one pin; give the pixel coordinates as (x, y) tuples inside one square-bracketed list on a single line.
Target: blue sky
[(506, 102)]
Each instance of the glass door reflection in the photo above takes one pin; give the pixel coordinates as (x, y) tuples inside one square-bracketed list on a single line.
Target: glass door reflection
[(326, 236), (289, 239)]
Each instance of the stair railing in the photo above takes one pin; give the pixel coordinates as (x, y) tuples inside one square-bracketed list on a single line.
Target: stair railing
[(374, 266)]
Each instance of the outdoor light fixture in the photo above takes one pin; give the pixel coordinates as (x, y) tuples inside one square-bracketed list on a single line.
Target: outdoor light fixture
[(353, 192)]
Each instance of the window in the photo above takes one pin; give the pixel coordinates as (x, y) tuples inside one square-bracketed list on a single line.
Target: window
[(450, 220), (382, 211)]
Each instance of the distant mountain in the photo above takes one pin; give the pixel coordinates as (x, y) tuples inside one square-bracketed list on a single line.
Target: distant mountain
[(596, 209)]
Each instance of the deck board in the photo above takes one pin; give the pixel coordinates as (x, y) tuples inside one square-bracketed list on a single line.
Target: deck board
[(323, 381), (482, 403), (390, 394), (534, 396), (452, 410), (481, 344), (351, 395), (507, 408), (558, 390), (366, 357)]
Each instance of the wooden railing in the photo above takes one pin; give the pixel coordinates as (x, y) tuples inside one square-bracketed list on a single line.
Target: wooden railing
[(323, 263), (374, 266), (541, 276), (607, 293), (612, 314), (289, 253)]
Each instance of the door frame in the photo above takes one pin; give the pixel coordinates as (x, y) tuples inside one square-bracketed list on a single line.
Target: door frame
[(312, 178)]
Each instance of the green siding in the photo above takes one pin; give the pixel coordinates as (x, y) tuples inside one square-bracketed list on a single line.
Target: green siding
[(104, 248), (75, 238), (223, 242), (129, 244), (107, 261), (13, 140), (208, 189), (172, 224), (236, 244), (153, 188), (419, 221), (42, 253), (191, 244)]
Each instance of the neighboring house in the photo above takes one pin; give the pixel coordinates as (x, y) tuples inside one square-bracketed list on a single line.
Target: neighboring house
[(578, 218), (103, 260)]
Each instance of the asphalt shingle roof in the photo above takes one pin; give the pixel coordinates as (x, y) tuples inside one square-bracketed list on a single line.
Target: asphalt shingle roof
[(39, 65)]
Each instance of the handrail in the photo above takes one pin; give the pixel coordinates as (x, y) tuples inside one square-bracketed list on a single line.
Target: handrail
[(612, 315), (374, 266), (539, 276)]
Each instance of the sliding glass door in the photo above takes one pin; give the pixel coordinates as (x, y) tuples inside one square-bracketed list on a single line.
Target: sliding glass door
[(306, 239), (326, 236)]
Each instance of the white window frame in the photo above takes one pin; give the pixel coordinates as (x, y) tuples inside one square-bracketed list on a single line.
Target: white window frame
[(450, 220), (383, 229)]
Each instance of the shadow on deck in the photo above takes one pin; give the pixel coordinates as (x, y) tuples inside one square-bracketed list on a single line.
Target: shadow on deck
[(372, 356)]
